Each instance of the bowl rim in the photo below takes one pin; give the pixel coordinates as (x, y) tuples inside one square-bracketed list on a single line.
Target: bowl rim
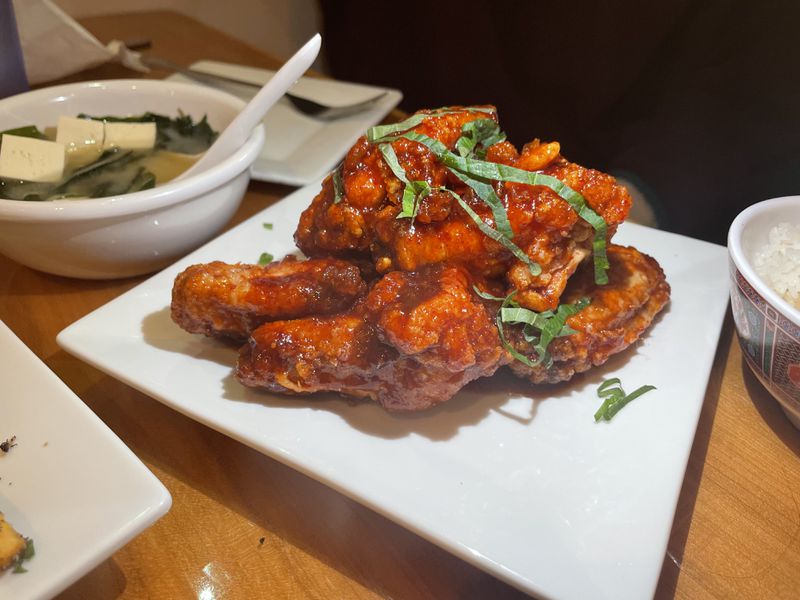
[(137, 202), (743, 264)]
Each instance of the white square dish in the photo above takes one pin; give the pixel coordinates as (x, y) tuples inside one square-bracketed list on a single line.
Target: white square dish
[(69, 484), (517, 480)]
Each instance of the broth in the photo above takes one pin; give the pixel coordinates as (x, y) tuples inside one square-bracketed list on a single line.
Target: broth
[(93, 172)]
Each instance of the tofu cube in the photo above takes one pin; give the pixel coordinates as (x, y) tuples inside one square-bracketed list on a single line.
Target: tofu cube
[(130, 136), (77, 133), (31, 159)]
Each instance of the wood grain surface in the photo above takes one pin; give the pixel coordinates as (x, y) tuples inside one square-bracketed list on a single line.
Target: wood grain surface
[(244, 526)]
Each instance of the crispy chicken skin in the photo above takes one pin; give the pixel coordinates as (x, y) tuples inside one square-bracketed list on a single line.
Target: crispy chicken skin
[(413, 342), (364, 222), (224, 300), (617, 316)]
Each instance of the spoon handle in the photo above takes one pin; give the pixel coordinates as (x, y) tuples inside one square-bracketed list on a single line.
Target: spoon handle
[(238, 130)]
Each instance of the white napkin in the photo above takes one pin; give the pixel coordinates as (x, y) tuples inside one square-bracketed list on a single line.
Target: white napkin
[(54, 45)]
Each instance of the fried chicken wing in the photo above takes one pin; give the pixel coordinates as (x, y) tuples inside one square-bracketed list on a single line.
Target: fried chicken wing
[(413, 342), (231, 300), (364, 221), (617, 315)]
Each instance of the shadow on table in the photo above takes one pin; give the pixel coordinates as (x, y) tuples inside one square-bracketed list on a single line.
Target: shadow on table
[(106, 577), (670, 571), (502, 394)]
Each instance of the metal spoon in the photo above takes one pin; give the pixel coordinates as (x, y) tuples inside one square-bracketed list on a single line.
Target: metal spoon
[(238, 130)]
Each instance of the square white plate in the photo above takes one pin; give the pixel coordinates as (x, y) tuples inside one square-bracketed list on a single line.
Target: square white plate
[(301, 149), (518, 481), (70, 484)]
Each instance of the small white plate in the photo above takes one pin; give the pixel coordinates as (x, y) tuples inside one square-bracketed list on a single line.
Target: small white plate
[(70, 484), (301, 149), (517, 480)]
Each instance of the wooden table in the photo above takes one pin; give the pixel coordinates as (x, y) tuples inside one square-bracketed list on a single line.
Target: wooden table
[(736, 532)]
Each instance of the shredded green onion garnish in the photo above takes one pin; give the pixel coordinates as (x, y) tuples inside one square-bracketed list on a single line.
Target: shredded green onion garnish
[(477, 136), (338, 185), (542, 328), (265, 258), (486, 193), (539, 328), (413, 192), (267, 225), (377, 132), (496, 234), (28, 553), (615, 398)]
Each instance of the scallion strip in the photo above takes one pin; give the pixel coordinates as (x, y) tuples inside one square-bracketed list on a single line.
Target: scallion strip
[(378, 132), (615, 398), (338, 185), (617, 406), (486, 193), (542, 328), (496, 235), (410, 200), (480, 132), (487, 295), (539, 328)]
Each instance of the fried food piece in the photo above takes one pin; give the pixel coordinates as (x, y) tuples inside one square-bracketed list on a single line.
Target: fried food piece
[(12, 544), (413, 342), (224, 300), (364, 223), (618, 314)]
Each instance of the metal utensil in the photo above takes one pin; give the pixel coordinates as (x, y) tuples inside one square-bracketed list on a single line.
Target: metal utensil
[(306, 106)]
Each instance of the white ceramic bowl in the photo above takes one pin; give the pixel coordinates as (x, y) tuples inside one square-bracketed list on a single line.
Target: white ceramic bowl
[(768, 327), (130, 234)]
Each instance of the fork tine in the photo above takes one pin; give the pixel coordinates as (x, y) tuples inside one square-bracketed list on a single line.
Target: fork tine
[(326, 113)]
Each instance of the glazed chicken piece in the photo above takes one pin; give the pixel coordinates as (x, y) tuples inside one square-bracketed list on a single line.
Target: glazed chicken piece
[(225, 300), (617, 316), (413, 342), (421, 332), (363, 223)]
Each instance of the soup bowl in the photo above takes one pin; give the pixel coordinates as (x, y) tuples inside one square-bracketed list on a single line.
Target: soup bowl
[(768, 327), (129, 234)]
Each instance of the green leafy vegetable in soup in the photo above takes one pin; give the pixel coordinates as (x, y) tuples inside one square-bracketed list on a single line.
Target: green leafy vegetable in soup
[(94, 157), (180, 134)]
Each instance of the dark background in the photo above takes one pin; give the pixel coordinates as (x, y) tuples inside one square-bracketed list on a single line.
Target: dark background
[(696, 102)]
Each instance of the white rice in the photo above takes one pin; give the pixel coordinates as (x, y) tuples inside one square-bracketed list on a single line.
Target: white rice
[(778, 263)]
